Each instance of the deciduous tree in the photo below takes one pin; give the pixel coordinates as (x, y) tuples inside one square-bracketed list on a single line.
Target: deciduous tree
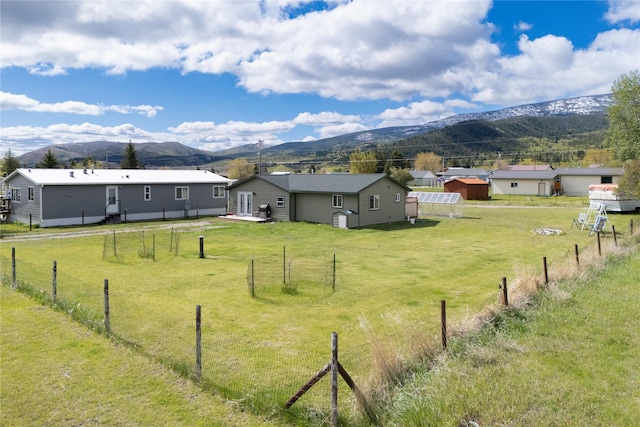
[(629, 184), (624, 117), (428, 162), (361, 162), (240, 168)]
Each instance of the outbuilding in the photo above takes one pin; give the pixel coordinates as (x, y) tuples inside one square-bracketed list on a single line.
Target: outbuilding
[(469, 188), (59, 197)]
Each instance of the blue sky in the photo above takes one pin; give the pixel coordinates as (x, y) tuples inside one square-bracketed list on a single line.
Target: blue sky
[(218, 74)]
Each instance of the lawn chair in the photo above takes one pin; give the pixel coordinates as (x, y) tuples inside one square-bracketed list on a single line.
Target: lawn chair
[(580, 222), (598, 225)]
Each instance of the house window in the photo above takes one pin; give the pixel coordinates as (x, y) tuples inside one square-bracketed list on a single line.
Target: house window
[(397, 197), (182, 193), (606, 180), (514, 184), (280, 201), (15, 194), (147, 193), (218, 191), (374, 202), (30, 195), (336, 201)]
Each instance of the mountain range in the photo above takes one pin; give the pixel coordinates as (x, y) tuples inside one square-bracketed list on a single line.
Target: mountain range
[(495, 129)]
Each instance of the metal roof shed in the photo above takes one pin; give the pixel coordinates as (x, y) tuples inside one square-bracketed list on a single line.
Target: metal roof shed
[(439, 204)]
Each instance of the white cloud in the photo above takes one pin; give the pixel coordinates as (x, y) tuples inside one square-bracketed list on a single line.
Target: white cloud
[(549, 68), (415, 113), (10, 101), (523, 26), (623, 10)]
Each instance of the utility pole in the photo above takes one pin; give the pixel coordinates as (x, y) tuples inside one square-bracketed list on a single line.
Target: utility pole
[(260, 141)]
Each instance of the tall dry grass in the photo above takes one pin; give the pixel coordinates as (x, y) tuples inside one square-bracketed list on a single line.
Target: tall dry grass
[(396, 357)]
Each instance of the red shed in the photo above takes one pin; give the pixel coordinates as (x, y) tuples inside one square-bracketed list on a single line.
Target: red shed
[(469, 188)]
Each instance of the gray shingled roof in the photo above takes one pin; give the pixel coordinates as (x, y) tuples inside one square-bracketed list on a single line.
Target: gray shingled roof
[(321, 183)]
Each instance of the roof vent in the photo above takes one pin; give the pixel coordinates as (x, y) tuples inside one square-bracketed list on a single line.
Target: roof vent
[(71, 174)]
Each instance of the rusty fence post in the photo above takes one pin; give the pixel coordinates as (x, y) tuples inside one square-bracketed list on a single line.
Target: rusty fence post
[(443, 322), (505, 297)]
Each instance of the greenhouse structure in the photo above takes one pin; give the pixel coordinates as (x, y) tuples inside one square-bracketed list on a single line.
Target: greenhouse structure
[(439, 204)]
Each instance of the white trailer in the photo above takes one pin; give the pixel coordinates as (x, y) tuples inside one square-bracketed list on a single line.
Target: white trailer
[(607, 194)]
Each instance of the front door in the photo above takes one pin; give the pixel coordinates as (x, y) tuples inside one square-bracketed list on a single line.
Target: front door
[(245, 203), (542, 189), (112, 200)]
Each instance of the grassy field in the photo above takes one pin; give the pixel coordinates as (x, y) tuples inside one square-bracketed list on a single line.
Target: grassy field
[(570, 359), (258, 351)]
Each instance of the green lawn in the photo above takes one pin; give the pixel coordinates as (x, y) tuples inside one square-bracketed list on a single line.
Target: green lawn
[(389, 283), (570, 360)]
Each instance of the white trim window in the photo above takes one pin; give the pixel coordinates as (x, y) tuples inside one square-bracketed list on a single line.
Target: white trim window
[(15, 195), (337, 201), (374, 202), (147, 193), (219, 191), (30, 193), (279, 201), (397, 197), (182, 193)]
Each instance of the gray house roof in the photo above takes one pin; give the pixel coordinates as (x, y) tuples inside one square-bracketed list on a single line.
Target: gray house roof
[(465, 172), (422, 174), (321, 183), (526, 174)]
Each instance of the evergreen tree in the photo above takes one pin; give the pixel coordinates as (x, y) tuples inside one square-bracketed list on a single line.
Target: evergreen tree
[(130, 157), (9, 163), (49, 161)]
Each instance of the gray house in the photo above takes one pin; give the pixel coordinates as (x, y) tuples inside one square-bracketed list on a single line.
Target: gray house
[(342, 200), (423, 179), (58, 197)]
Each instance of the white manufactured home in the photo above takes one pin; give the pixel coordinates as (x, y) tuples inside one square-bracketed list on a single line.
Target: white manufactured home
[(60, 197)]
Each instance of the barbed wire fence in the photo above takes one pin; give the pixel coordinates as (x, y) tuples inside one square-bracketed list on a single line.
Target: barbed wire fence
[(262, 370)]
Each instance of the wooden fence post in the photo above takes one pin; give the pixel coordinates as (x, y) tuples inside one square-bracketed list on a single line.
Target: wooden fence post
[(631, 227), (114, 244), (55, 282), (334, 379), (14, 278), (154, 246), (107, 321), (599, 245), (615, 237), (284, 265), (546, 271), (505, 297), (201, 246), (577, 256), (198, 343), (443, 322)]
